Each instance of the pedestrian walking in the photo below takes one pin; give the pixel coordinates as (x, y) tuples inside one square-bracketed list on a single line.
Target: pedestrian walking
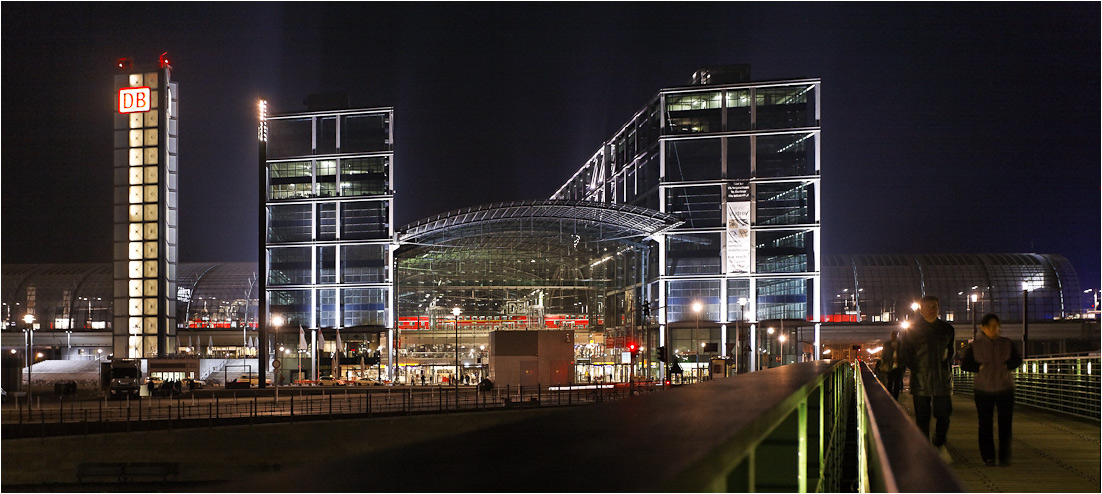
[(888, 370), (992, 357), (927, 350)]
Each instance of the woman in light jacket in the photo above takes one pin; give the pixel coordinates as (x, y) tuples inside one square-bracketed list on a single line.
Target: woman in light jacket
[(992, 357)]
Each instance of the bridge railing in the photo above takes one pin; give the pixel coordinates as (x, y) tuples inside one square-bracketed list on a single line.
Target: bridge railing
[(893, 455), (1062, 384), (783, 429)]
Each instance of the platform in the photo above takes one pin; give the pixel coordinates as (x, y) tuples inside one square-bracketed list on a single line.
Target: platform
[(1052, 452)]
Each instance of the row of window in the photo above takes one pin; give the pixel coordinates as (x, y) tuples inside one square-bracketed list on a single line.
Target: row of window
[(773, 108), (328, 134), (325, 307), (320, 265), (360, 220)]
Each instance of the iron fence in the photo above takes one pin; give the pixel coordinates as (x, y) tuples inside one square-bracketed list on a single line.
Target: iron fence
[(1062, 384)]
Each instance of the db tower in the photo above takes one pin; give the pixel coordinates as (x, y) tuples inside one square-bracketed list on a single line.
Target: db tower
[(145, 209)]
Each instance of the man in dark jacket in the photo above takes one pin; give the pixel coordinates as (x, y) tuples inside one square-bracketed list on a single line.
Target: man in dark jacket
[(992, 357), (927, 350)]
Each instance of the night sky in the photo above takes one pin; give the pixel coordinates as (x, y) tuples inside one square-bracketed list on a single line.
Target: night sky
[(947, 128)]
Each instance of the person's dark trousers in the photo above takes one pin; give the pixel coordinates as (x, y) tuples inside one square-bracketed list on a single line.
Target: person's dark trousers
[(895, 383), (942, 408), (986, 404)]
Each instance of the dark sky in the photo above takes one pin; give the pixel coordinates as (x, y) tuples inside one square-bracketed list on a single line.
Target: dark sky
[(947, 128)]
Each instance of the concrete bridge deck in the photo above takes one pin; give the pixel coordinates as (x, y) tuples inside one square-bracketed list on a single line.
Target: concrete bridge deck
[(1052, 452)]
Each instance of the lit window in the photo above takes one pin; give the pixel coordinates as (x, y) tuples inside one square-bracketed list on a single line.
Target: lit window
[(135, 212), (151, 156), (150, 231), (151, 212), (151, 137), (135, 195), (151, 325), (150, 269), (135, 80), (136, 138), (150, 306), (135, 157), (150, 118), (135, 231), (134, 325), (136, 120), (135, 175), (150, 289), (151, 250), (135, 288), (150, 193), (150, 174), (135, 269), (135, 308), (135, 250)]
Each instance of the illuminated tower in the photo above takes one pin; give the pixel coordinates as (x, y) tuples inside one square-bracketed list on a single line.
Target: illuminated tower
[(145, 210)]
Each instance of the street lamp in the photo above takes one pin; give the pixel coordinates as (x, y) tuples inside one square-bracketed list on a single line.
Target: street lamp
[(769, 347), (973, 300), (781, 339), (697, 307), (277, 321), (455, 312), (29, 319)]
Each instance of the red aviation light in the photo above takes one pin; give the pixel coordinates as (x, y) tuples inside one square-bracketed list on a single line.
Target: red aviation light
[(124, 63), (164, 60)]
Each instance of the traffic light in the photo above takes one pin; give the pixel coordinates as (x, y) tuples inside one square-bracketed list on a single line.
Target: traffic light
[(663, 354), (633, 347)]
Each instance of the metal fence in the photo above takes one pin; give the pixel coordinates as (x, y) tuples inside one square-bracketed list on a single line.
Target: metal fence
[(251, 406), (893, 454), (1065, 384)]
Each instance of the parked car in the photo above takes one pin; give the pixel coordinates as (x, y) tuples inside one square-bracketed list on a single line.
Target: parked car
[(363, 381), (329, 381)]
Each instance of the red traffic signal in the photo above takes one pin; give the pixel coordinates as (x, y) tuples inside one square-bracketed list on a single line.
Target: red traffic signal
[(633, 347)]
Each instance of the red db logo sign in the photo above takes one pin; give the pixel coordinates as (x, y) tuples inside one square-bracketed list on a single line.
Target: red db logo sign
[(134, 99)]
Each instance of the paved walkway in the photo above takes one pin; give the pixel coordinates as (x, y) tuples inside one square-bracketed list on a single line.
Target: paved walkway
[(1052, 452)]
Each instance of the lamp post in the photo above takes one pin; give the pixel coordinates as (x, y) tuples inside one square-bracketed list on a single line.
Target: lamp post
[(697, 307), (769, 347), (738, 331), (455, 312), (781, 338), (973, 298), (29, 319), (277, 321), (1025, 319)]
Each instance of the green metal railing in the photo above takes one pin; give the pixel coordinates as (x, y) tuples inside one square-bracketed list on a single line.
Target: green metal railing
[(893, 454), (1064, 384)]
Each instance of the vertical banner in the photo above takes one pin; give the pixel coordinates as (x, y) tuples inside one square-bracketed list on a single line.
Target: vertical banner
[(738, 227)]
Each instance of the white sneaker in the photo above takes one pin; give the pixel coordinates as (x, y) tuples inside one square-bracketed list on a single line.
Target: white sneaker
[(943, 452)]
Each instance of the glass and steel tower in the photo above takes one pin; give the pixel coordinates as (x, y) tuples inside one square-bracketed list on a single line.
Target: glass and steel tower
[(739, 162), (145, 210), (328, 221)]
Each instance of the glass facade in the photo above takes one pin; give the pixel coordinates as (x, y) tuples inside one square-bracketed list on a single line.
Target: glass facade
[(329, 227), (738, 161), (881, 288)]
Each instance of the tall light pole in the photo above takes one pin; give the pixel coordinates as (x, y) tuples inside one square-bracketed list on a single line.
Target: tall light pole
[(780, 343), (1025, 319), (697, 307), (973, 298), (738, 331), (455, 312), (29, 319), (277, 321), (769, 347)]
